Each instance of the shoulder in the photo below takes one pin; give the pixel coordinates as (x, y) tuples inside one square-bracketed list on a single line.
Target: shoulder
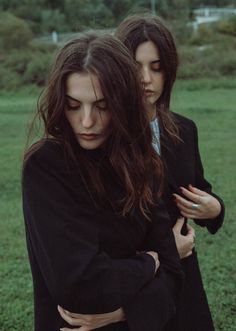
[(46, 153), (185, 125), (47, 149), (182, 120)]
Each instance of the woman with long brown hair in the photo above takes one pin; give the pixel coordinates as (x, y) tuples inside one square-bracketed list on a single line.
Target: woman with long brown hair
[(188, 194), (98, 235)]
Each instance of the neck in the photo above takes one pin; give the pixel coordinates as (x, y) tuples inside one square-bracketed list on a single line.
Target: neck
[(152, 111)]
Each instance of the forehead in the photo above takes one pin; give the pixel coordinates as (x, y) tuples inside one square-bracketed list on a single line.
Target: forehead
[(84, 87), (147, 52)]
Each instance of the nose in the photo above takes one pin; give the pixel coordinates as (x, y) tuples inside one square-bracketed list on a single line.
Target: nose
[(88, 119), (146, 76)]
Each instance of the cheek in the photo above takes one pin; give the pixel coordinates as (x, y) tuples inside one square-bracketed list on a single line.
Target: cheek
[(106, 120), (160, 83), (70, 118)]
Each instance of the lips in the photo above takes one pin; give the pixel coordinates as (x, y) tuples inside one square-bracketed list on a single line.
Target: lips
[(148, 92), (91, 136)]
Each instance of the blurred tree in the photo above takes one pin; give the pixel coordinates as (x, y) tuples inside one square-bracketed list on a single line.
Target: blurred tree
[(215, 3), (228, 26), (119, 8), (55, 4), (52, 19), (14, 32), (88, 13), (169, 9)]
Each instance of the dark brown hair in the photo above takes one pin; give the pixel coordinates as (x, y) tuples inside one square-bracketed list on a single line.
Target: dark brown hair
[(130, 144), (137, 29)]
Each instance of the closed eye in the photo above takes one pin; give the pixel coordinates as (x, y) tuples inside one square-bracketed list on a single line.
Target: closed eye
[(72, 107), (101, 105), (156, 66), (72, 104)]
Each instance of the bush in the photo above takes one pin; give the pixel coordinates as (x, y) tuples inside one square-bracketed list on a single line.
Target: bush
[(181, 30), (18, 61), (38, 69), (195, 64), (14, 32), (37, 45), (228, 66), (10, 80), (28, 66), (204, 35), (207, 60), (228, 26)]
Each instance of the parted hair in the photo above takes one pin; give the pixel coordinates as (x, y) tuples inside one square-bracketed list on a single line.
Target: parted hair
[(129, 145), (136, 29)]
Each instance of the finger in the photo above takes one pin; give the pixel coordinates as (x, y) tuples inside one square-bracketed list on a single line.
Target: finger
[(191, 238), (188, 254), (179, 224), (190, 195), (197, 191), (189, 210), (74, 315), (77, 319), (191, 231), (184, 202), (192, 215), (70, 320), (188, 215), (63, 313)]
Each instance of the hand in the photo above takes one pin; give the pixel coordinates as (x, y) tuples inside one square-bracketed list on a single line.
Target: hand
[(155, 256), (201, 205), (86, 322), (184, 243)]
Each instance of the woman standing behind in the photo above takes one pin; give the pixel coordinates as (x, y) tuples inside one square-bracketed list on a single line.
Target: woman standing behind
[(175, 139), (88, 198)]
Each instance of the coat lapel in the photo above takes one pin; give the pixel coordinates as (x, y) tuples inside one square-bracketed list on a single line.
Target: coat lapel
[(169, 157)]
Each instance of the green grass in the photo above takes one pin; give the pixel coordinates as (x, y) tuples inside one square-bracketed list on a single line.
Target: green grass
[(212, 105)]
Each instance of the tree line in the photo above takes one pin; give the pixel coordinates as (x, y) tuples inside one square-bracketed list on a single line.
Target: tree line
[(25, 59), (44, 16)]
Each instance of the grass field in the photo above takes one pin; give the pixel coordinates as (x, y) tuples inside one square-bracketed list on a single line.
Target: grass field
[(212, 104)]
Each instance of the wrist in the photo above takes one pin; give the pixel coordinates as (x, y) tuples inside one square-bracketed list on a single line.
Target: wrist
[(217, 209), (119, 315)]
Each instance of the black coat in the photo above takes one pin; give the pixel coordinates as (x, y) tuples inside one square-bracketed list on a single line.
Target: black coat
[(84, 258), (184, 167)]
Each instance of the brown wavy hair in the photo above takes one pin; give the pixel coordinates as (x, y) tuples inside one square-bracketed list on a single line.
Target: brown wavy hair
[(136, 29), (129, 146)]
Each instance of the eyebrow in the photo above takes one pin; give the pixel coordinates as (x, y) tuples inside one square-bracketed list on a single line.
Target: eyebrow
[(69, 97)]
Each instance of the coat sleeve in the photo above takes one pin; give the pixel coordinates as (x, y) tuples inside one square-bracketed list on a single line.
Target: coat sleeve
[(212, 225), (155, 305), (63, 232)]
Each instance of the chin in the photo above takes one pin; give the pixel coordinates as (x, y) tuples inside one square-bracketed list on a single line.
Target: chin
[(90, 145), (152, 100)]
